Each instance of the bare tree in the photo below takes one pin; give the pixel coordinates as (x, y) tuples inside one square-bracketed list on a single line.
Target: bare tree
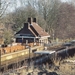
[(66, 21), (3, 7), (54, 16), (49, 10)]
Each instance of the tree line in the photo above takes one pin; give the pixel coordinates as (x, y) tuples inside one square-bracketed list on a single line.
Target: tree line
[(54, 16)]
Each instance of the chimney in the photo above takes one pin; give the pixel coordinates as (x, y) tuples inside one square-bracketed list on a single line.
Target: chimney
[(34, 20), (26, 25), (29, 20)]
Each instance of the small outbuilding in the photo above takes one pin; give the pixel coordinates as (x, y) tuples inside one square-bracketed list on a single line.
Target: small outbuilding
[(32, 33)]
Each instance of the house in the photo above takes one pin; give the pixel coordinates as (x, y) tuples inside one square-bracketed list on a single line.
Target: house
[(32, 33)]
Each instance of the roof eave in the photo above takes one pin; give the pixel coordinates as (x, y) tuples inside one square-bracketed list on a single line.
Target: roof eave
[(45, 36), (25, 37)]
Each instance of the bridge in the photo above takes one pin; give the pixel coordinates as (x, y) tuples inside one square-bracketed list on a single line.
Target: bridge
[(15, 57)]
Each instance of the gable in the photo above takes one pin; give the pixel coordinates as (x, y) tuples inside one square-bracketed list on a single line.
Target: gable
[(32, 29)]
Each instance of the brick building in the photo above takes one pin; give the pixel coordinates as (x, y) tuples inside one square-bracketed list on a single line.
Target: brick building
[(32, 33)]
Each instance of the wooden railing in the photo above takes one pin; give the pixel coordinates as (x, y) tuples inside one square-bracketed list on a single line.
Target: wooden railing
[(18, 55), (15, 48)]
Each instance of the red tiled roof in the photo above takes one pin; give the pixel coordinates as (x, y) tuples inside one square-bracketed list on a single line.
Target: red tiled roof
[(39, 30), (33, 29)]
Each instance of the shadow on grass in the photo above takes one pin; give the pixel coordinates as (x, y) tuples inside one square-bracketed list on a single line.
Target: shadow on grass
[(47, 73), (44, 73)]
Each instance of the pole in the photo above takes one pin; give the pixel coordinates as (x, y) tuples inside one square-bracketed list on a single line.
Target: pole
[(53, 36), (22, 40), (29, 55)]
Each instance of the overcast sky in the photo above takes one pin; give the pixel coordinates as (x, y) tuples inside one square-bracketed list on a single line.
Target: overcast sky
[(66, 0), (18, 4)]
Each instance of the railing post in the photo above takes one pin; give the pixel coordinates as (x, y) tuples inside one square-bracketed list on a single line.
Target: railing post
[(29, 54)]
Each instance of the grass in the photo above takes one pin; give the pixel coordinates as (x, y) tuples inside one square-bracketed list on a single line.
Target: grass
[(59, 68), (66, 68)]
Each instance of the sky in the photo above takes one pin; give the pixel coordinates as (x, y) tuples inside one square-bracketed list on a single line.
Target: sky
[(66, 0), (18, 4)]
